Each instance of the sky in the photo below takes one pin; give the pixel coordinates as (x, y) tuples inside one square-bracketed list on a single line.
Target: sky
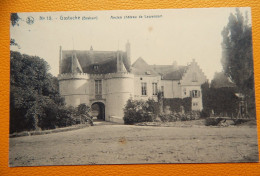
[(158, 36)]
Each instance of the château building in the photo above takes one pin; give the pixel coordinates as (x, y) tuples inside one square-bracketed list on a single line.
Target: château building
[(107, 79)]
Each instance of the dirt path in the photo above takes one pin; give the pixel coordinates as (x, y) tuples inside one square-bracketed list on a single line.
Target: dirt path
[(121, 144)]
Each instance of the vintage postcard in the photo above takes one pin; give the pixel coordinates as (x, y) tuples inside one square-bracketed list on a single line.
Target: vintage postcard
[(132, 87)]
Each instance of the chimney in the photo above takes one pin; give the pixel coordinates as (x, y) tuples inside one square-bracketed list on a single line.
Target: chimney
[(174, 65), (91, 55)]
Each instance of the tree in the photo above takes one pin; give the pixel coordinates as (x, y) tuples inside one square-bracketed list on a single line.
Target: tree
[(218, 99), (83, 112), (237, 56), (34, 98), (221, 80), (14, 21)]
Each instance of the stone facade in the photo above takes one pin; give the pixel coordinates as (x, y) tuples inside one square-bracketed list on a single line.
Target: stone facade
[(108, 79)]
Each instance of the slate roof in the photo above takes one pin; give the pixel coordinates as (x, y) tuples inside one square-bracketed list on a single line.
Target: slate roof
[(175, 75), (105, 60), (140, 67), (108, 66), (162, 69), (167, 72)]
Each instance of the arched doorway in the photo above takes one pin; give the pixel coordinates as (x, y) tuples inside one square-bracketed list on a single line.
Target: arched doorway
[(98, 110)]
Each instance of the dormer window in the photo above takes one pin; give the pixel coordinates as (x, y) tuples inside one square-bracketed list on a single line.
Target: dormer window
[(148, 72), (95, 67)]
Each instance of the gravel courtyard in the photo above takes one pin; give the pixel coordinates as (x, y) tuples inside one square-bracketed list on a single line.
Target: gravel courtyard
[(107, 143)]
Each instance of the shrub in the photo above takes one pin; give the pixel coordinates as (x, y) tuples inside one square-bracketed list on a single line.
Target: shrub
[(212, 121), (137, 111), (193, 115), (168, 117), (153, 106), (65, 116), (205, 113), (240, 121), (82, 109)]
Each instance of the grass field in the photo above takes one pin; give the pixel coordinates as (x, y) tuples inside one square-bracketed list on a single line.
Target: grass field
[(107, 143)]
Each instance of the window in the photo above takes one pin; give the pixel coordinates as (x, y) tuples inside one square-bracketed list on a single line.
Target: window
[(194, 77), (144, 88), (184, 91), (195, 93), (148, 72), (95, 67), (155, 91), (98, 87), (195, 104), (162, 90)]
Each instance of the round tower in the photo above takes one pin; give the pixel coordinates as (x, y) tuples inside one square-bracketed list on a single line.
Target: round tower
[(74, 88), (73, 83), (121, 88)]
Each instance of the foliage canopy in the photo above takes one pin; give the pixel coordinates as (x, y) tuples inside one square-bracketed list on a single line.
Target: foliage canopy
[(237, 57), (34, 98)]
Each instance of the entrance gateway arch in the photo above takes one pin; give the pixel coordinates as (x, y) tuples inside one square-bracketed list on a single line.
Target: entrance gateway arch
[(98, 110)]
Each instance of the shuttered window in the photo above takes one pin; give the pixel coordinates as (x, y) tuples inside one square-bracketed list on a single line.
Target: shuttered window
[(195, 93), (144, 88)]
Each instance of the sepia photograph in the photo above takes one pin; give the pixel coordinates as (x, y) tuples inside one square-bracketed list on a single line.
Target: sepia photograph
[(132, 87)]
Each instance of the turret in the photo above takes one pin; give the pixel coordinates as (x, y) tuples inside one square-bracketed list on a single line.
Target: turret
[(74, 86), (121, 88)]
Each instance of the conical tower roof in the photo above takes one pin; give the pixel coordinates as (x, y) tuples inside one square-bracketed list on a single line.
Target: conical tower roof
[(120, 64), (75, 66)]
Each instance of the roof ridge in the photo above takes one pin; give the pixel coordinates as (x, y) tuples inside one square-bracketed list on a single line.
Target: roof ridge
[(138, 60)]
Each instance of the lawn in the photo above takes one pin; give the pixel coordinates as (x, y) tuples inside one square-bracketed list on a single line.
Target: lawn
[(107, 143)]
